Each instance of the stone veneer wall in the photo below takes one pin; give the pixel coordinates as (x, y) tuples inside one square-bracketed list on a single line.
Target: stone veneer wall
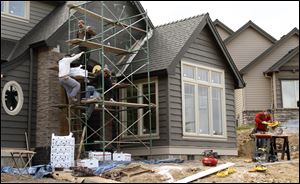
[(281, 115), (48, 94)]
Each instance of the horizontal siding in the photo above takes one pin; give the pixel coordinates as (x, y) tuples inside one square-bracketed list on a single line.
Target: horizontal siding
[(202, 51), (14, 29), (258, 89), (13, 127), (222, 33), (247, 46)]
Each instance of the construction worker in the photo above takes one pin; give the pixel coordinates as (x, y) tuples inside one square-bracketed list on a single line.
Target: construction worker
[(71, 85), (84, 33), (261, 117), (96, 83)]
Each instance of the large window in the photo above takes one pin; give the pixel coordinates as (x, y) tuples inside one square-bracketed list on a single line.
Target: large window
[(203, 101), (290, 93), (17, 9), (137, 120)]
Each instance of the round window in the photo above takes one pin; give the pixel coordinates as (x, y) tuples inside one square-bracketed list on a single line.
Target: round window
[(12, 98)]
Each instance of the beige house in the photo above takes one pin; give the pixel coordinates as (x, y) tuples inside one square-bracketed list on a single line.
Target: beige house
[(222, 29), (265, 64)]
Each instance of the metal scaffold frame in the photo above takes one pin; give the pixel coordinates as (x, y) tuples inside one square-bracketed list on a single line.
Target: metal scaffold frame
[(98, 44)]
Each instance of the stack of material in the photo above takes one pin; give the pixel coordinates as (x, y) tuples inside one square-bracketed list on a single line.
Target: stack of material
[(62, 151)]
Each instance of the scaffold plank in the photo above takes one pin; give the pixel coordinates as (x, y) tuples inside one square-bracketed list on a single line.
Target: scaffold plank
[(114, 103), (94, 45), (99, 17)]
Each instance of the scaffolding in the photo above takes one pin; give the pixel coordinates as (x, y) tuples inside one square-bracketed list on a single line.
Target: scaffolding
[(116, 44)]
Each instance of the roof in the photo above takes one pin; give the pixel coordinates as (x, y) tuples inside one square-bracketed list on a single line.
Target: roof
[(220, 24), (48, 26), (170, 42), (292, 53), (269, 50), (255, 27)]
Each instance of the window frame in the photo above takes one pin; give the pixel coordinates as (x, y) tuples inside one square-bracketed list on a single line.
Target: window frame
[(281, 91), (20, 96), (123, 114), (24, 18), (196, 83)]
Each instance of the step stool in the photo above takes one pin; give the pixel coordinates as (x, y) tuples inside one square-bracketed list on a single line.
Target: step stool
[(285, 147)]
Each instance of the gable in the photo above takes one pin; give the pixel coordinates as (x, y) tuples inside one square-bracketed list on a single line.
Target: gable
[(292, 64), (223, 33), (277, 53), (247, 46), (274, 53)]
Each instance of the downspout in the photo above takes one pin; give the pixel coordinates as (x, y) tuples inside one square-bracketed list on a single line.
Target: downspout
[(30, 97), (272, 92)]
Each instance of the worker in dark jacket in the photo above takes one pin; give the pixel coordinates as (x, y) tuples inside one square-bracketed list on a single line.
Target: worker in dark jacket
[(94, 89), (84, 33)]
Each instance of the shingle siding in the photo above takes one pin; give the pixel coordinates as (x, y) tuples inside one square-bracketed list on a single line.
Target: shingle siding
[(203, 51)]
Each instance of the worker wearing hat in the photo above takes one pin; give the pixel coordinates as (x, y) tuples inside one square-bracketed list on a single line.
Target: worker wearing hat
[(94, 88)]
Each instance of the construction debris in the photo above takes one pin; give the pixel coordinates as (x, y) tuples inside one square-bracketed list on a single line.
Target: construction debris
[(205, 173)]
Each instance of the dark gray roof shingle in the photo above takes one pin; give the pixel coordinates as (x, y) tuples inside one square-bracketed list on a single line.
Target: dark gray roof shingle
[(166, 42)]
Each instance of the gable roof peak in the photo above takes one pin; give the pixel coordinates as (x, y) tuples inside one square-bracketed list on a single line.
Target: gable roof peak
[(251, 24), (181, 20), (222, 25)]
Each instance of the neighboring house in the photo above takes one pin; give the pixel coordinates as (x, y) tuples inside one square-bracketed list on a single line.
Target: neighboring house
[(254, 51), (222, 29), (196, 78), (192, 83)]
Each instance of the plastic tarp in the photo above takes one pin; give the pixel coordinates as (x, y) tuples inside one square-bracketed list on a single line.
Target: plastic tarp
[(37, 171), (106, 166)]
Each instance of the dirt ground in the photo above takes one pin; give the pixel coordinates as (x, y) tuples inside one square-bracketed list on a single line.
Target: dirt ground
[(277, 172)]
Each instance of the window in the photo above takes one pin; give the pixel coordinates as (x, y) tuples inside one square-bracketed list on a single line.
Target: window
[(12, 98), (203, 101), (17, 9), (138, 119), (290, 93)]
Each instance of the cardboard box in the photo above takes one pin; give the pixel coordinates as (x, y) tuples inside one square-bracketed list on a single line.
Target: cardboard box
[(99, 155), (89, 163), (121, 157)]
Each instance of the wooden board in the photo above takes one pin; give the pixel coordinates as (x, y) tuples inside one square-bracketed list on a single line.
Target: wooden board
[(114, 103), (94, 45), (17, 151), (99, 17), (205, 173)]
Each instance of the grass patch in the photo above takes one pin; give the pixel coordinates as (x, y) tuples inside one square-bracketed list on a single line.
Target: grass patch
[(245, 126)]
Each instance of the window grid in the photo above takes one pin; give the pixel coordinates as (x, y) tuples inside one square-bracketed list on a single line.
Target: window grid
[(209, 84), (140, 111)]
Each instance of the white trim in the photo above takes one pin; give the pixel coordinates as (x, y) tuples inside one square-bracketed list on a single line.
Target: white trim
[(24, 18), (139, 84), (179, 150), (196, 83), (20, 96)]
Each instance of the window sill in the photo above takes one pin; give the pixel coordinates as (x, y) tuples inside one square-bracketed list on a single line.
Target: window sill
[(205, 138)]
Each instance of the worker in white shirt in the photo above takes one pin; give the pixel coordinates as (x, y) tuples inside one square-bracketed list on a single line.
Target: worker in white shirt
[(71, 86)]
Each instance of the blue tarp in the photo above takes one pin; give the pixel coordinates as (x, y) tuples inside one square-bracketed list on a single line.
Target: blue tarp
[(106, 166), (37, 171)]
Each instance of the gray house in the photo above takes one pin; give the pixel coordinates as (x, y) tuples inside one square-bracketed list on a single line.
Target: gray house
[(192, 84), (196, 78)]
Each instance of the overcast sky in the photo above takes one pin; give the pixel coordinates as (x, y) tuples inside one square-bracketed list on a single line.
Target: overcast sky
[(275, 17)]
